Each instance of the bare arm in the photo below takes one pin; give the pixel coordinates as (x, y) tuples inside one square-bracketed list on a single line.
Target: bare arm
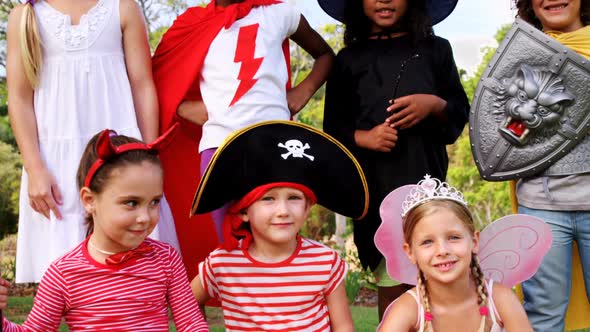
[(400, 316), (410, 110), (3, 294), (199, 291), (510, 310), (380, 138), (194, 111), (340, 317), (44, 195), (186, 312), (316, 46), (139, 69)]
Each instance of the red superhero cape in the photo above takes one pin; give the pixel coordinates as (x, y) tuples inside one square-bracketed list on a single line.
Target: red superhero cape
[(177, 65)]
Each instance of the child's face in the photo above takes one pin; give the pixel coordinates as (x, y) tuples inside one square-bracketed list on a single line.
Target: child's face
[(384, 14), (442, 246), (127, 210), (558, 15), (277, 216)]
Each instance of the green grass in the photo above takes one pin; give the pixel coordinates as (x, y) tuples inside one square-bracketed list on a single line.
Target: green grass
[(365, 318)]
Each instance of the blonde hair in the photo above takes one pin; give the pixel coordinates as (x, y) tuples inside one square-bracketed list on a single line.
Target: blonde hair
[(412, 219), (30, 44)]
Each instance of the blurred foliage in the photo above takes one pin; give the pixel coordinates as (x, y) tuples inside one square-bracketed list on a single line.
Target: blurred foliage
[(10, 173), (301, 64), (155, 37), (487, 200), (320, 224)]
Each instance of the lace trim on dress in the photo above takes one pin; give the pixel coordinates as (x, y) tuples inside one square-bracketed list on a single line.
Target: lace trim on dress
[(82, 35)]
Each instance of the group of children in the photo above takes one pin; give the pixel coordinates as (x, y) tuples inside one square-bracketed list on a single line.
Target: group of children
[(393, 102)]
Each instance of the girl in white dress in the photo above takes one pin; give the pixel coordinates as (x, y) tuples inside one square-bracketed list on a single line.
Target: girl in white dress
[(74, 67)]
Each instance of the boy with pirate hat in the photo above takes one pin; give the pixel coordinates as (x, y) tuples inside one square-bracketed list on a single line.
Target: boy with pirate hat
[(266, 276), (218, 69)]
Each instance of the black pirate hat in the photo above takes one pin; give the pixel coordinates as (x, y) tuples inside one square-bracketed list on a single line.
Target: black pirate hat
[(438, 10), (283, 151)]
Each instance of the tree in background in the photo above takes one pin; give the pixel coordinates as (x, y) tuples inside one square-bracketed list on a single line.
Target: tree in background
[(488, 200), (159, 15), (322, 223), (5, 8), (301, 62), (10, 173)]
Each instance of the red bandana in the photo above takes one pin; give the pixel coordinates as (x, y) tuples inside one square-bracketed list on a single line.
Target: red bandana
[(234, 228)]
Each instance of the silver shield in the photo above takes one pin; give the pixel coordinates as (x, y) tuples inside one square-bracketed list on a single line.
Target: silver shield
[(531, 107)]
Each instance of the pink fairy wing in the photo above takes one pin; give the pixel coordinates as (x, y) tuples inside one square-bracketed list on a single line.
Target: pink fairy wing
[(512, 248), (389, 238)]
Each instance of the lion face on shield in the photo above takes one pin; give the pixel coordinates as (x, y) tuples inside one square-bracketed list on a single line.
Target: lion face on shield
[(532, 100)]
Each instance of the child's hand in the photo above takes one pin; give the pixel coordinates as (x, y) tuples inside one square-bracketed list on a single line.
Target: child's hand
[(297, 98), (44, 194), (413, 108), (381, 138), (194, 111), (3, 294)]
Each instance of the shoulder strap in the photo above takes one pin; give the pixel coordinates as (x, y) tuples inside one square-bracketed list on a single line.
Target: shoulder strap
[(493, 312), (420, 321)]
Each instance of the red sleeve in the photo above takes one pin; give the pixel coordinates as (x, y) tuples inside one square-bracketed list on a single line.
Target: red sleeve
[(337, 274), (48, 307), (185, 309)]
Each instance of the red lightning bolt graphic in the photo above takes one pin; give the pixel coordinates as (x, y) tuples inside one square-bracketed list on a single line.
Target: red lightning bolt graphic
[(245, 54)]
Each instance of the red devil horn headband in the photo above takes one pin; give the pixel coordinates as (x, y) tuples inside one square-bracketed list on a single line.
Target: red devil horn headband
[(106, 151)]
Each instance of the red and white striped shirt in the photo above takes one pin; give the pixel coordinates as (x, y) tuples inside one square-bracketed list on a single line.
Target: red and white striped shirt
[(285, 296), (132, 296)]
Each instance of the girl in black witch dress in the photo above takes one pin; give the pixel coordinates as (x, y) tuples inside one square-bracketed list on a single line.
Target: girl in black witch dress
[(395, 99)]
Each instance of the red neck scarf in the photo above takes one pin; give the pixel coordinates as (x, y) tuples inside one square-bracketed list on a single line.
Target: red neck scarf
[(121, 257)]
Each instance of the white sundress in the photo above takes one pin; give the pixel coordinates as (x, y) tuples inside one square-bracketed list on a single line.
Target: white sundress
[(83, 89)]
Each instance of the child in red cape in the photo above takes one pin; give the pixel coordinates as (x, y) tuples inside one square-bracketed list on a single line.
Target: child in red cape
[(221, 67)]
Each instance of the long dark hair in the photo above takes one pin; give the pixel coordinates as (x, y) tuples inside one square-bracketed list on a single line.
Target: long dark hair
[(526, 12), (415, 21)]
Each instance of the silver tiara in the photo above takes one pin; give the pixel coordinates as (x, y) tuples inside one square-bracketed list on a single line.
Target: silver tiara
[(431, 189)]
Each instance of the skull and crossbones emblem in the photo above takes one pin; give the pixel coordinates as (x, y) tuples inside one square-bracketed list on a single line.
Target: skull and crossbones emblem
[(296, 149)]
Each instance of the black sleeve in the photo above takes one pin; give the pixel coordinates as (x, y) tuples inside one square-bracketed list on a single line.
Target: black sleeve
[(451, 90), (341, 106)]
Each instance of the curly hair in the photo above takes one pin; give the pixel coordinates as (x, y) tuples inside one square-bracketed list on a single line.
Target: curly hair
[(415, 21), (526, 12)]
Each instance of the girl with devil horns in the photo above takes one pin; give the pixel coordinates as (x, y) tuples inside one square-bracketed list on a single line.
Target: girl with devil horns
[(117, 278)]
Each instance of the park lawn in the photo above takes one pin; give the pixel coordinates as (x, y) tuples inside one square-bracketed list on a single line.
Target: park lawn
[(365, 318)]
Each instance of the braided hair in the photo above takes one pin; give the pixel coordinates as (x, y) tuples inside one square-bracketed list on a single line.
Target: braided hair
[(412, 219)]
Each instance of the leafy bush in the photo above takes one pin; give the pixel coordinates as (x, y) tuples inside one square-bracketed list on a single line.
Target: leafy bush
[(10, 173), (8, 258), (6, 134), (320, 224)]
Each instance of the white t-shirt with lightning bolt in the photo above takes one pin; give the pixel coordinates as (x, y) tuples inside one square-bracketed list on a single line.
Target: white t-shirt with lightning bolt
[(244, 75)]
